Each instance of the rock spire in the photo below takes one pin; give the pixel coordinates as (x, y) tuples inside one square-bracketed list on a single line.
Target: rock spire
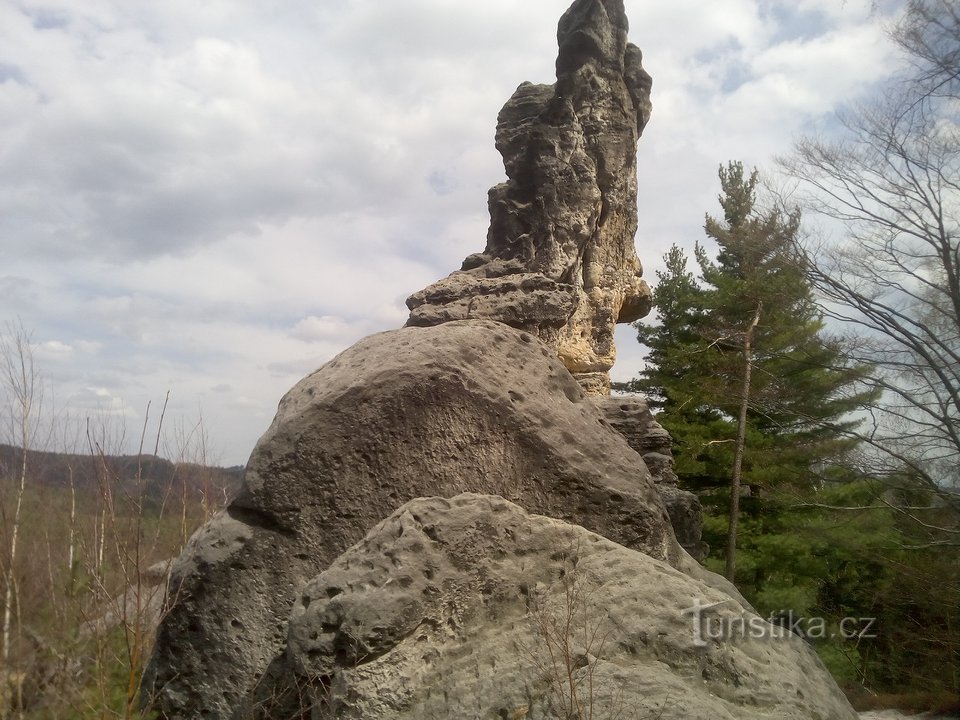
[(560, 260)]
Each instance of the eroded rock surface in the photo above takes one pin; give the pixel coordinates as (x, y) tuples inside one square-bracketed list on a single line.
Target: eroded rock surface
[(560, 260), (464, 406), (630, 416), (443, 610), (299, 600)]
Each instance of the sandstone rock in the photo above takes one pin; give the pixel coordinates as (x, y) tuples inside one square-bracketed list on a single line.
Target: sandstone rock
[(463, 406), (560, 260), (438, 611), (141, 603), (445, 609), (686, 518), (630, 416)]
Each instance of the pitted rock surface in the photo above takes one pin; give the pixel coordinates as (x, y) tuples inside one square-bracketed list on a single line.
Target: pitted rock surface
[(630, 415), (471, 406), (443, 609), (300, 600), (560, 260)]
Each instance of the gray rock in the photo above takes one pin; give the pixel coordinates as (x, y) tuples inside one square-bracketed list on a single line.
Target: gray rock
[(630, 416), (438, 611), (686, 518), (472, 608), (464, 406), (560, 260)]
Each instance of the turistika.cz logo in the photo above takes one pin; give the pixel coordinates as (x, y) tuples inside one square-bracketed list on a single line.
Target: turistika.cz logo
[(707, 625)]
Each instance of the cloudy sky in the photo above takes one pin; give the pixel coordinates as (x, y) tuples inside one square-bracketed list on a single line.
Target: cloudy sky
[(215, 198)]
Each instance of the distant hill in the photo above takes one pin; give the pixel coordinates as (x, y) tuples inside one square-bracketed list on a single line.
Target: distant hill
[(156, 475)]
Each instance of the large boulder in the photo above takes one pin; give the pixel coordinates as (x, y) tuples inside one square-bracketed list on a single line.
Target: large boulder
[(438, 611), (560, 260), (471, 607), (468, 406)]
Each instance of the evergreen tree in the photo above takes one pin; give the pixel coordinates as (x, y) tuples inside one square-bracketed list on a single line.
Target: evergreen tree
[(797, 549), (799, 390)]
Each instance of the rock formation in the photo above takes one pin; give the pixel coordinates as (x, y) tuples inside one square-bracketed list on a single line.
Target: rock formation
[(444, 610), (467, 406), (312, 594), (560, 260), (630, 416)]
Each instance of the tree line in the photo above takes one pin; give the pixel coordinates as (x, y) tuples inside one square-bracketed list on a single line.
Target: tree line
[(86, 540)]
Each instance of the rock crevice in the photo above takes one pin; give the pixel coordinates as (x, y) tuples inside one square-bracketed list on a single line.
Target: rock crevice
[(630, 416)]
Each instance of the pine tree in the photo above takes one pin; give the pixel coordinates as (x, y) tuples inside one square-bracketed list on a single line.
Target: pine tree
[(751, 309)]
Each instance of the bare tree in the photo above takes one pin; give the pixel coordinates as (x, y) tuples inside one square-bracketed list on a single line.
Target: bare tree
[(929, 32), (893, 280), (24, 397)]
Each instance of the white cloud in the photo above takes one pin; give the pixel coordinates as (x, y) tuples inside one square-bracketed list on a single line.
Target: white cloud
[(215, 198), (313, 329), (98, 401)]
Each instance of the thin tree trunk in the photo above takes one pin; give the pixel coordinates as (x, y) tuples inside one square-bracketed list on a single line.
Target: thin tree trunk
[(19, 376), (10, 579), (73, 529), (738, 451)]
